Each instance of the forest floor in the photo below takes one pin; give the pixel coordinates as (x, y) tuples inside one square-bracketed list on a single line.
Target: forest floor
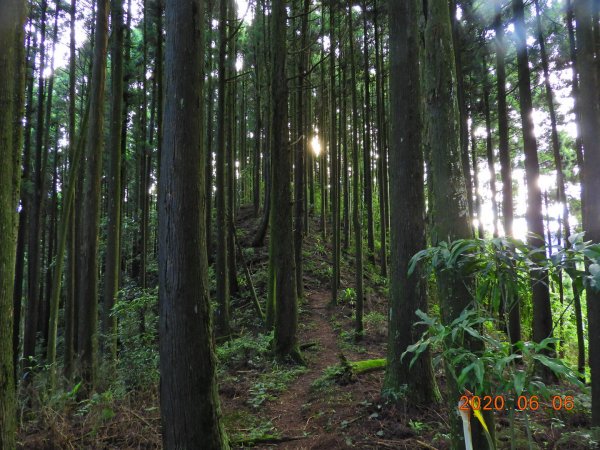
[(266, 404)]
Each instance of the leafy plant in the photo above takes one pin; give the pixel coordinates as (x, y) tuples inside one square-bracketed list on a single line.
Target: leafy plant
[(348, 296)]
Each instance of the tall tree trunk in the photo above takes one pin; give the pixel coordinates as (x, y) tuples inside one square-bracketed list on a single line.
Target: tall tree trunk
[(113, 232), (368, 179), (230, 181), (87, 340), (590, 136), (282, 271), (69, 310), (512, 305), (579, 153), (25, 202), (542, 313), (356, 207), (11, 110), (37, 182), (489, 148), (222, 313), (459, 49), (333, 146), (189, 398), (208, 163), (478, 201), (407, 294), (300, 150), (63, 229), (345, 178), (381, 162), (447, 187)]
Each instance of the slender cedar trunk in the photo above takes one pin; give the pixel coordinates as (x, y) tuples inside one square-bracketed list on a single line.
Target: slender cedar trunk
[(447, 188), (88, 264), (230, 182), (282, 271), (459, 48), (590, 136), (37, 182), (159, 82), (64, 227), (335, 177), (356, 207), (321, 117), (12, 78), (478, 201), (222, 312), (48, 209), (52, 238), (189, 399), (307, 112), (368, 178), (345, 179), (144, 175), (384, 155), (560, 178), (113, 232), (407, 293), (579, 154), (208, 164), (258, 125), (575, 95), (542, 313), (512, 305), (79, 198), (381, 163), (126, 257), (300, 150), (264, 224), (23, 215), (489, 149), (69, 308)]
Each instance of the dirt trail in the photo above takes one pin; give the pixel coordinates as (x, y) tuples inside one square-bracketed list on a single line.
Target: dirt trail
[(299, 411)]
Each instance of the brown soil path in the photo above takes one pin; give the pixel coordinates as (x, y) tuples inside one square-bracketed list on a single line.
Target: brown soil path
[(300, 411)]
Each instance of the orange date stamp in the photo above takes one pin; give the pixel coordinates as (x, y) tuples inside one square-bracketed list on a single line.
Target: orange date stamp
[(523, 403)]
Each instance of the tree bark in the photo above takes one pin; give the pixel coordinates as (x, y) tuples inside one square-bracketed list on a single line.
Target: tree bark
[(407, 293), (11, 110), (447, 187), (542, 313), (356, 207), (282, 280), (189, 399), (87, 340), (512, 305), (113, 232), (222, 313), (590, 136)]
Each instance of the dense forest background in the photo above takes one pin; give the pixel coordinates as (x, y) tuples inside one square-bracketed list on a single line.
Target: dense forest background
[(304, 224)]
